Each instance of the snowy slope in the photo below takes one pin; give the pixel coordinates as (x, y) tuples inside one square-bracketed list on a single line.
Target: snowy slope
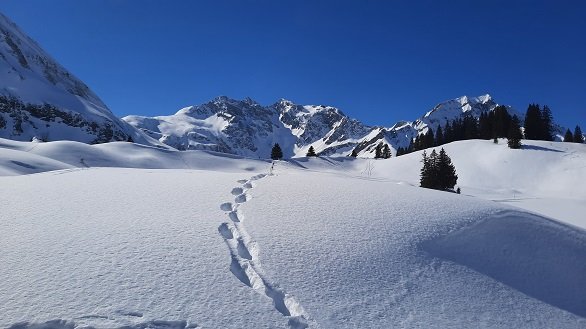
[(40, 98), (319, 243)]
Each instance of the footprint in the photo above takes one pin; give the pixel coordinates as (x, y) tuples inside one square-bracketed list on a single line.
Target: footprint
[(241, 181), (237, 190), (257, 177), (242, 198), (243, 251), (234, 216), (248, 185), (225, 231), (226, 206)]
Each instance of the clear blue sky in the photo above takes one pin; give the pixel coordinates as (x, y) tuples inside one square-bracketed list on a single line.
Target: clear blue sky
[(378, 61)]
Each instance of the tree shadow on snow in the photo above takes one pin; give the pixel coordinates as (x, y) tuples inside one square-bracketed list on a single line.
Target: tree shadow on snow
[(539, 148), (534, 255)]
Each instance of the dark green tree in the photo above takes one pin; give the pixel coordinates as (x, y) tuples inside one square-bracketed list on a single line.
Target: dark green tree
[(533, 122), (439, 136), (501, 120), (470, 127), (386, 151), (428, 140), (311, 152), (514, 136), (578, 136), (446, 171), (568, 137), (547, 130), (276, 152), (485, 126), (378, 151), (425, 173)]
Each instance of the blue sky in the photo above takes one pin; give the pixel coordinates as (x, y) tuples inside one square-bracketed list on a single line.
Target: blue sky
[(378, 61)]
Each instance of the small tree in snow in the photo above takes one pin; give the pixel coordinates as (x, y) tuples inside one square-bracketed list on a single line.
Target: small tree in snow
[(276, 152), (568, 137), (386, 151), (578, 137), (378, 152), (311, 152), (514, 136)]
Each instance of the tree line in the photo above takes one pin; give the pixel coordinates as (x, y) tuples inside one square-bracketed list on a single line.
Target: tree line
[(498, 123)]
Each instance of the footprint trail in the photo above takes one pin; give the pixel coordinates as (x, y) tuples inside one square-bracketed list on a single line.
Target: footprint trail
[(245, 263)]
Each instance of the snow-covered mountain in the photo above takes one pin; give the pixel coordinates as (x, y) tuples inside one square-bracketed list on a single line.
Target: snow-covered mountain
[(40, 99), (247, 128)]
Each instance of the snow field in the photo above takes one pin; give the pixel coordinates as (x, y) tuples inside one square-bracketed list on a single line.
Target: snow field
[(321, 243), (361, 253), (99, 247)]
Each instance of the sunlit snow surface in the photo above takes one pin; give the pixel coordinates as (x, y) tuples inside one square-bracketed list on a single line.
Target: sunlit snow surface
[(226, 242)]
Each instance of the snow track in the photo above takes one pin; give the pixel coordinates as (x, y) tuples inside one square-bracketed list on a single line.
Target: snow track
[(245, 263)]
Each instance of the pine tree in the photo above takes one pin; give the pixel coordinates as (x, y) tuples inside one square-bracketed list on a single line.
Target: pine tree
[(130, 140), (448, 133), (425, 174), (485, 126), (276, 152), (378, 152), (446, 172), (568, 137), (386, 151), (578, 137), (514, 136), (354, 153), (501, 119), (533, 122), (311, 152), (546, 124), (439, 136), (428, 141), (438, 172), (470, 127)]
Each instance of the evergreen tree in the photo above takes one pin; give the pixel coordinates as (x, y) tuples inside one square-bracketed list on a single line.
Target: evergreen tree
[(501, 120), (378, 152), (568, 137), (533, 122), (448, 133), (429, 138), (446, 172), (438, 172), (276, 152), (425, 174), (311, 152), (386, 151), (354, 153), (578, 137), (485, 126), (130, 140), (439, 136), (470, 126), (514, 136), (546, 124)]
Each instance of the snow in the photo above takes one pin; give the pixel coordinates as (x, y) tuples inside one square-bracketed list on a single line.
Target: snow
[(122, 235)]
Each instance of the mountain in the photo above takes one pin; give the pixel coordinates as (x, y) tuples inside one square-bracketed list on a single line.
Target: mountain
[(247, 128), (40, 99)]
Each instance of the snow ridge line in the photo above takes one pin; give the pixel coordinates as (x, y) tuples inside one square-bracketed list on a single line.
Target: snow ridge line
[(245, 262)]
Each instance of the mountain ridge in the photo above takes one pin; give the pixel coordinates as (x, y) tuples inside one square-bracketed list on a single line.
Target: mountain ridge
[(213, 126)]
